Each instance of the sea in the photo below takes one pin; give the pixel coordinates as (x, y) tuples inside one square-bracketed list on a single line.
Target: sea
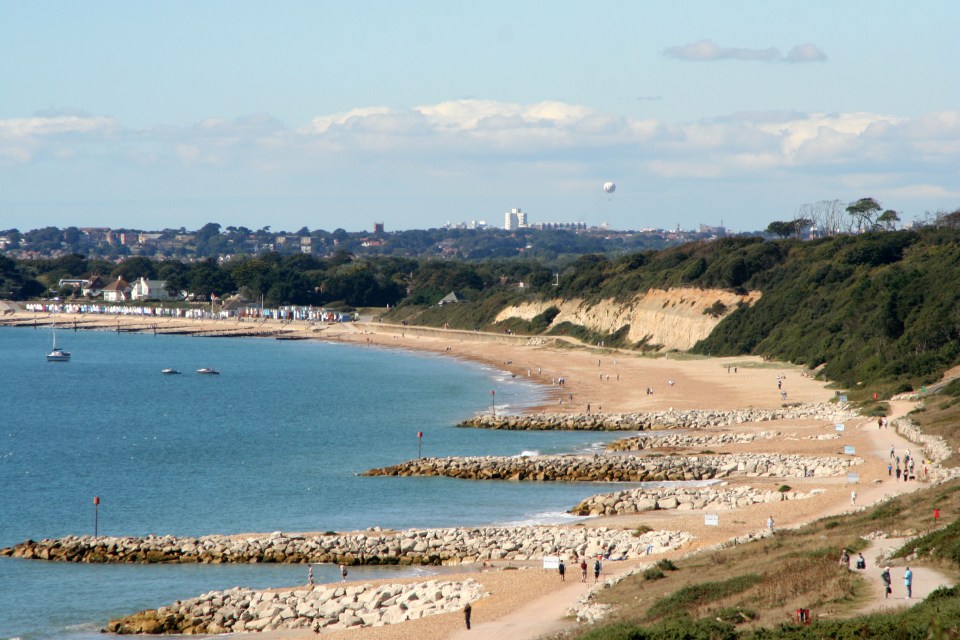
[(273, 443)]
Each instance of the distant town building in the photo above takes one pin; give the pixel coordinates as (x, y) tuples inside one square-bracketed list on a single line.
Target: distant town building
[(377, 227), (716, 231), (514, 219), (566, 226)]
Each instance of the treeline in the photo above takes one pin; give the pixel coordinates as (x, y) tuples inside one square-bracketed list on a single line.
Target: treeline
[(211, 241), (341, 279)]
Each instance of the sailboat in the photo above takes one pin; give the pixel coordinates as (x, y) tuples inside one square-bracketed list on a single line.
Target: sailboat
[(57, 354)]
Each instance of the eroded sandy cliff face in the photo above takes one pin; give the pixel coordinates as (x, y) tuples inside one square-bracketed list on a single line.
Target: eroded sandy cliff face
[(672, 319)]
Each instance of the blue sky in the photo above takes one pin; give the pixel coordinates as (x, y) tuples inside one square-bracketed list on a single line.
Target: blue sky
[(338, 114)]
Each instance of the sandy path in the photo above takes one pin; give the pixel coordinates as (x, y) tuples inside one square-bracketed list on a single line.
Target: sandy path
[(528, 604), (925, 579)]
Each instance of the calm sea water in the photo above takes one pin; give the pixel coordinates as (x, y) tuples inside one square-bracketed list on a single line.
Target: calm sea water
[(273, 443)]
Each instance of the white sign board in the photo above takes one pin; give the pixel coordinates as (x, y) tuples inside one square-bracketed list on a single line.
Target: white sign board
[(551, 562), (711, 520), (839, 427), (849, 450), (843, 398), (853, 478)]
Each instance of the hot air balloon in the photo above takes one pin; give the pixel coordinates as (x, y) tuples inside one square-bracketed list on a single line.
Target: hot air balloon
[(609, 187)]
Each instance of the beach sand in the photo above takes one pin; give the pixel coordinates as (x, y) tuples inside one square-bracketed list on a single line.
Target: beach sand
[(529, 603)]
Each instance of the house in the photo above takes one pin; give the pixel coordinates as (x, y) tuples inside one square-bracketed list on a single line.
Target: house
[(144, 289), (92, 287), (450, 298), (117, 291)]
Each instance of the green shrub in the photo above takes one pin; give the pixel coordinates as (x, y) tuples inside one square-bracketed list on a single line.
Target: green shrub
[(667, 565), (652, 573), (695, 595)]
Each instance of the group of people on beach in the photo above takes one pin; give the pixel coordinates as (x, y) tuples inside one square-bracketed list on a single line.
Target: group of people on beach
[(908, 470), (884, 576), (597, 569)]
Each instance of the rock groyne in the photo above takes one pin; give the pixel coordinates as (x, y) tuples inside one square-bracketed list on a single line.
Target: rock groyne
[(372, 547), (620, 468), (677, 440), (680, 419), (640, 500), (310, 608)]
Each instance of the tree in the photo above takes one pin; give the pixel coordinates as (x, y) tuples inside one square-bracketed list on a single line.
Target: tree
[(207, 231), (133, 268), (826, 216), (780, 228), (889, 219), (949, 220), (863, 211)]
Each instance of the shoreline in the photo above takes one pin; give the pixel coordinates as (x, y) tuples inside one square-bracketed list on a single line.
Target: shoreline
[(607, 381)]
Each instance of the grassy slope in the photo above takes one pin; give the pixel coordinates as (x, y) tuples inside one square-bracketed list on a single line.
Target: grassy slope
[(752, 591)]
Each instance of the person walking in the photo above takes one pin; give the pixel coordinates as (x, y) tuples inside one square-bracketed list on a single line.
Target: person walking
[(310, 575), (853, 498), (583, 570), (885, 576), (596, 570), (343, 573), (770, 525), (908, 582), (467, 610), (563, 571), (845, 559)]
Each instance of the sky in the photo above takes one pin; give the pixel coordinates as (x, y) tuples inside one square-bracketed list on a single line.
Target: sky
[(322, 114)]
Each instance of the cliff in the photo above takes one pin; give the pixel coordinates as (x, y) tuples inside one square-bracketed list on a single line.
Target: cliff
[(675, 318)]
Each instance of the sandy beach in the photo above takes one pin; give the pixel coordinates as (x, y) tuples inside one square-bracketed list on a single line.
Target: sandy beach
[(528, 602)]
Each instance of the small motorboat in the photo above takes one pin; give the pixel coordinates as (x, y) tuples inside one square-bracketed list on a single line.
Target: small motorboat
[(170, 372), (208, 372)]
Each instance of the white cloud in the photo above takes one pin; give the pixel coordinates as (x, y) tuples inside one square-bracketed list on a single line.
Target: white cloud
[(806, 53), (707, 50), (23, 140), (918, 191), (485, 145)]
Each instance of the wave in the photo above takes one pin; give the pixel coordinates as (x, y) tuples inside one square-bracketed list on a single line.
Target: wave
[(545, 517), (527, 453)]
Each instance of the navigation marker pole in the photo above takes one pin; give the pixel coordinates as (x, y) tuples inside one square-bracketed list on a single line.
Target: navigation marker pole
[(96, 515), (493, 404), (419, 444)]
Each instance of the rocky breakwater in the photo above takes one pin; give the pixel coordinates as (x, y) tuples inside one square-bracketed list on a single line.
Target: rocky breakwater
[(619, 468), (681, 419), (408, 547), (310, 609), (682, 498), (677, 440)]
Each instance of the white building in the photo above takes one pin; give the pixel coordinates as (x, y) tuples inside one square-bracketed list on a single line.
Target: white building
[(117, 291), (144, 289), (514, 219)]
